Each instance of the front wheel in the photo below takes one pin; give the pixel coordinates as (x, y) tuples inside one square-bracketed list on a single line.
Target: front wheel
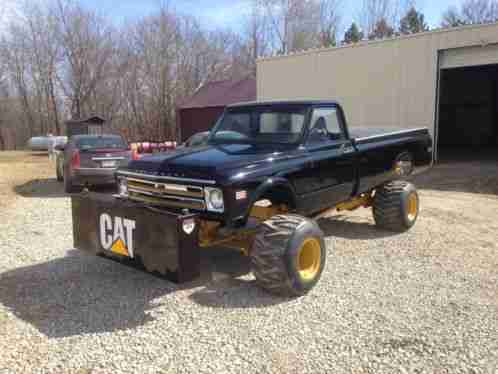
[(288, 255), (396, 206)]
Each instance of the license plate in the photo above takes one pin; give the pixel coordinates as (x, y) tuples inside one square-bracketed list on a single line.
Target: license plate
[(108, 164)]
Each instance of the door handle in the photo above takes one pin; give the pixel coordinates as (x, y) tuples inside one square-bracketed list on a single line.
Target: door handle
[(345, 148)]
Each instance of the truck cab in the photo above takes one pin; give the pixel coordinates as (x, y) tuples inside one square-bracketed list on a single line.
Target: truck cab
[(300, 154)]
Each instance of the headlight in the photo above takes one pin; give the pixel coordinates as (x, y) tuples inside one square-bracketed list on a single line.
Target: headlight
[(123, 187), (214, 199)]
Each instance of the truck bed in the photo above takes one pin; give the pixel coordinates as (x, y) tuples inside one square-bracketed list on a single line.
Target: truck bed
[(364, 134)]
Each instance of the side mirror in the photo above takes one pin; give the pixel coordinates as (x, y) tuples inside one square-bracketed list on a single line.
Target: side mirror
[(60, 147)]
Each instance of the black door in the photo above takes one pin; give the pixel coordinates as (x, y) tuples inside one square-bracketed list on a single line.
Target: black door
[(330, 176)]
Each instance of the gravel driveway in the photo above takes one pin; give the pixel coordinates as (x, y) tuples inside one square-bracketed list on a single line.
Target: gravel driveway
[(422, 302)]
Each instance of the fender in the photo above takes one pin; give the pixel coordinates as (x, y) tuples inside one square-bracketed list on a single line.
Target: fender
[(267, 185)]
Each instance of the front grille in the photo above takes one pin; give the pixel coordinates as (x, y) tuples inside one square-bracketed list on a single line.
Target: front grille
[(166, 194)]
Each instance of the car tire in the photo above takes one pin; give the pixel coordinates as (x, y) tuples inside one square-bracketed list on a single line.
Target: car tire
[(288, 255), (396, 206)]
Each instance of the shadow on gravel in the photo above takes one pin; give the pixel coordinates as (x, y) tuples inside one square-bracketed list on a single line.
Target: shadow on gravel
[(480, 177), (50, 188), (41, 188), (339, 226), (222, 287), (83, 294)]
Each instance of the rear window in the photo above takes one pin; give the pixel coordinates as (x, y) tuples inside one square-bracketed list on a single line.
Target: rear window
[(100, 143)]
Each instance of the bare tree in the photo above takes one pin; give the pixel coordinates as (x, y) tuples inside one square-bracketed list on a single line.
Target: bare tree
[(330, 18), (290, 23), (471, 12), (62, 60), (480, 11), (384, 11), (86, 42), (255, 35), (17, 60)]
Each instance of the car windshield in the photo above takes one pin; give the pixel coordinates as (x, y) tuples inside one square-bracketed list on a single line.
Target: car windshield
[(260, 125), (101, 142)]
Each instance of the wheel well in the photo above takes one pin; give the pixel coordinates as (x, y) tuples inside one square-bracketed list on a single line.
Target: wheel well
[(279, 195)]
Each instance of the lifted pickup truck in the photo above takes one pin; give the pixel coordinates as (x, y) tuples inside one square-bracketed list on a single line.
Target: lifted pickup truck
[(266, 171)]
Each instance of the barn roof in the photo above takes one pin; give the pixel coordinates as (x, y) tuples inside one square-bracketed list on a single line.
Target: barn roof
[(92, 120), (222, 93)]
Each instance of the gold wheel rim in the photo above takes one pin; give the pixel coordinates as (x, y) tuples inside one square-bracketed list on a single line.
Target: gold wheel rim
[(309, 259), (412, 206)]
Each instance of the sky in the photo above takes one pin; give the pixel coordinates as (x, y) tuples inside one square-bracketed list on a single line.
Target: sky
[(229, 13)]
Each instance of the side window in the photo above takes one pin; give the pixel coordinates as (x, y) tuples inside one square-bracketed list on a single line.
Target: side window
[(325, 125), (271, 123)]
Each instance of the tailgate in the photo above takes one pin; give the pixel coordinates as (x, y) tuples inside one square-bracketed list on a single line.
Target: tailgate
[(164, 242)]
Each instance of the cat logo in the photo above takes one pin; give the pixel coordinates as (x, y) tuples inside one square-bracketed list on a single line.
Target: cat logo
[(117, 235)]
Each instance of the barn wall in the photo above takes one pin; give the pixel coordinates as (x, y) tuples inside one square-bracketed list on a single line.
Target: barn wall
[(389, 83), (194, 120)]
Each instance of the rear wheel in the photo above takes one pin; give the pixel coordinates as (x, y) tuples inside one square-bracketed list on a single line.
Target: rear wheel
[(288, 255), (396, 206)]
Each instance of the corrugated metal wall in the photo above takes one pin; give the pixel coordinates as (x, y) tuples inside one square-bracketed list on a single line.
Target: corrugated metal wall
[(389, 83)]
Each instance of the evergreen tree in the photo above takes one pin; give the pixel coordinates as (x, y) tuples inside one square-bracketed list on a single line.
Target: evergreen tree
[(382, 30), (413, 22), (452, 18), (353, 35)]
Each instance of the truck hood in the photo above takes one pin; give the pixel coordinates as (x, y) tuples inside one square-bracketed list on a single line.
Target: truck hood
[(210, 161)]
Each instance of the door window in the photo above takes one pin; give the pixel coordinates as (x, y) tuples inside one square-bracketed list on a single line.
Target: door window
[(325, 125)]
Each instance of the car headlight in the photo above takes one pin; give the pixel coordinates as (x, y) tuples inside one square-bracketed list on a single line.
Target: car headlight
[(123, 187), (214, 199)]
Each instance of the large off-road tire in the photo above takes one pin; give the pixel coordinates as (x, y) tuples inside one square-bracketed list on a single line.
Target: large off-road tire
[(396, 206), (288, 255)]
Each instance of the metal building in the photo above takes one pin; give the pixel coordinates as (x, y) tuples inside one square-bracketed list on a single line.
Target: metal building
[(446, 80)]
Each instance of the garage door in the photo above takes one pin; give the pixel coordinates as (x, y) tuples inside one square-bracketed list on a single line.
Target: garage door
[(469, 56)]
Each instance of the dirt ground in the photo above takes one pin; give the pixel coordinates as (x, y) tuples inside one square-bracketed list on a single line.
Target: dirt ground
[(21, 170), (424, 301)]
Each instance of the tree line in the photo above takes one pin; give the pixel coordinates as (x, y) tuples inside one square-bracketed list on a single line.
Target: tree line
[(60, 60)]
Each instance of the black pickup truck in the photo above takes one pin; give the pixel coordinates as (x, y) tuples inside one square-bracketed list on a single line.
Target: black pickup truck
[(267, 170)]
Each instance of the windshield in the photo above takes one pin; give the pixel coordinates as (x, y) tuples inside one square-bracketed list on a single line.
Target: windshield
[(260, 125), (100, 143), (197, 139)]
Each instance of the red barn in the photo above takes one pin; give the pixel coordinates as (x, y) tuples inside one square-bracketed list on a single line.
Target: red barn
[(200, 112)]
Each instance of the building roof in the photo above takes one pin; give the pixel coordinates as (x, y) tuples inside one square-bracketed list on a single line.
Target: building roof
[(283, 103), (93, 120), (364, 43), (222, 93)]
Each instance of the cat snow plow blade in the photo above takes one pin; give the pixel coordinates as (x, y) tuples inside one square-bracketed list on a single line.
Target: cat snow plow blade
[(165, 242)]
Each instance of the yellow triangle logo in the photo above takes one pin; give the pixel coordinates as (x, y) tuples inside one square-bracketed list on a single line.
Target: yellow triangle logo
[(120, 248)]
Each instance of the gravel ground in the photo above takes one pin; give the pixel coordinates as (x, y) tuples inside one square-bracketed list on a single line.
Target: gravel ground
[(422, 302)]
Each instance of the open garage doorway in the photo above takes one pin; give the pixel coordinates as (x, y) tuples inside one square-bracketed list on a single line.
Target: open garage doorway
[(468, 114)]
